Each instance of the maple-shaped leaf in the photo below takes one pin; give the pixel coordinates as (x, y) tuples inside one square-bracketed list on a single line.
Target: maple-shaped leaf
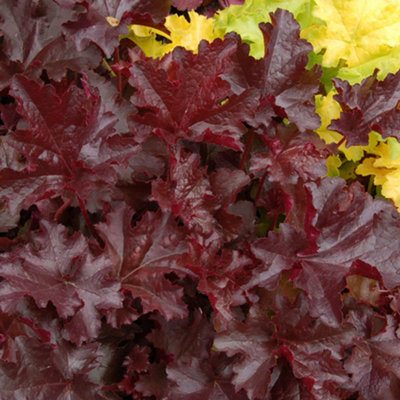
[(111, 101), (371, 105), (60, 269), (190, 194), (294, 158), (144, 254), (10, 328), (314, 351), (184, 95), (287, 386), (70, 145), (244, 18), (224, 283), (253, 341), (154, 382), (357, 39), (195, 371), (297, 157), (347, 225), (286, 87), (43, 371), (33, 38), (185, 31), (105, 20), (373, 362)]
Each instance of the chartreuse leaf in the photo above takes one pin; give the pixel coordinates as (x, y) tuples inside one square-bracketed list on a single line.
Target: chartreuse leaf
[(244, 19), (187, 34), (385, 166), (363, 33)]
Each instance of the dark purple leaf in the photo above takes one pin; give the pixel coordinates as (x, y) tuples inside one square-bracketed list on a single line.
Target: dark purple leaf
[(60, 269), (253, 341), (185, 96), (186, 4), (286, 88), (70, 146), (105, 20), (370, 105), (144, 254), (42, 371), (350, 226), (33, 37)]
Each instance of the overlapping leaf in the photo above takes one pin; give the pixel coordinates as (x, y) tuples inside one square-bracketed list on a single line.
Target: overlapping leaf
[(177, 164), (286, 88), (42, 371), (254, 341), (371, 105), (33, 40), (197, 199), (144, 254), (321, 271), (195, 371), (61, 270), (185, 96), (70, 145), (104, 21)]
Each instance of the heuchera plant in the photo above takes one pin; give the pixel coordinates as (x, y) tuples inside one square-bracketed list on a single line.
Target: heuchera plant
[(170, 224)]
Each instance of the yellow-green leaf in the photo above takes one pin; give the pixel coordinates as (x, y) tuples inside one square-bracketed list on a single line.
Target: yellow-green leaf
[(187, 34), (357, 31)]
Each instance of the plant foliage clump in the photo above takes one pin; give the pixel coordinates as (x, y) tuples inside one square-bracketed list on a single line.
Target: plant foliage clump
[(199, 200)]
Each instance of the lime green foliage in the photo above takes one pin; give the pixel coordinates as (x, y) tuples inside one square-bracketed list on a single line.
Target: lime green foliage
[(385, 166), (182, 33), (245, 19), (362, 33)]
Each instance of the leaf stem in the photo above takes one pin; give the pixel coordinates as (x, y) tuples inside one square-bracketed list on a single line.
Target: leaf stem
[(117, 59), (259, 190), (62, 209), (89, 224), (247, 148), (341, 141)]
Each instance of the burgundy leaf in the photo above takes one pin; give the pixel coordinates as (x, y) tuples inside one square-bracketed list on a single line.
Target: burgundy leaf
[(28, 27), (70, 145), (314, 351), (286, 87), (185, 96), (195, 372), (186, 4), (187, 193), (299, 157), (225, 285), (144, 254), (60, 269), (42, 371), (253, 341), (370, 105), (287, 386), (194, 197), (374, 359), (33, 36), (154, 383), (105, 20), (351, 226)]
